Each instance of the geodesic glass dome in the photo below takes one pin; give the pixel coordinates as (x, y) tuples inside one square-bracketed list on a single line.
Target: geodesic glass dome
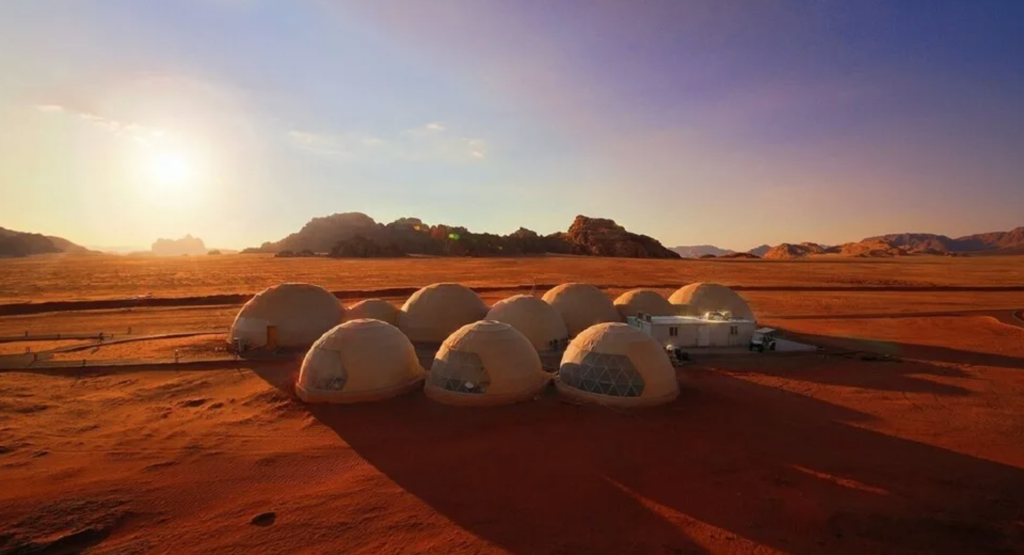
[(461, 372), (581, 306), (535, 319), (486, 363), (360, 360), (604, 374), (292, 314), (376, 309), (436, 311), (615, 364), (698, 299), (646, 301)]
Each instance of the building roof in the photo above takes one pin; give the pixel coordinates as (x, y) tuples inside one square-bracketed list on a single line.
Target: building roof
[(694, 320)]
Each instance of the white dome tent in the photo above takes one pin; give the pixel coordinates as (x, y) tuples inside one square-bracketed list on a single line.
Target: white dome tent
[(376, 309), (581, 306), (646, 301), (535, 319), (431, 314), (360, 360), (486, 363), (286, 315), (698, 299), (616, 365)]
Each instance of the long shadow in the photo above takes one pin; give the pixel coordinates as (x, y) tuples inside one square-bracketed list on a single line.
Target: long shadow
[(876, 373), (913, 351), (731, 465)]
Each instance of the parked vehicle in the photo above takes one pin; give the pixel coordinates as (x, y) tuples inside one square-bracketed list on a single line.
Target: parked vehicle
[(763, 338)]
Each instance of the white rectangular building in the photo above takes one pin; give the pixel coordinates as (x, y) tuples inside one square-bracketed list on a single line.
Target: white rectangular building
[(683, 332)]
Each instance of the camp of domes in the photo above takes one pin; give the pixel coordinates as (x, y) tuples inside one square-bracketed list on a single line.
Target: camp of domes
[(499, 277)]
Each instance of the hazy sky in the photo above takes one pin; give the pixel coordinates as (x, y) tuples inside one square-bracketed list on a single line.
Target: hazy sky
[(731, 123)]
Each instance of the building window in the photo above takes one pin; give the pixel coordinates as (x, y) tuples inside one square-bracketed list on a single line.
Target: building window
[(673, 332), (734, 330)]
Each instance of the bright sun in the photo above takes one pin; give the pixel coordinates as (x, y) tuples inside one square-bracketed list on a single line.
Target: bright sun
[(171, 168)]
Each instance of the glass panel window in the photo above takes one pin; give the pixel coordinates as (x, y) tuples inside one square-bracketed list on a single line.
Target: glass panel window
[(460, 371), (612, 375)]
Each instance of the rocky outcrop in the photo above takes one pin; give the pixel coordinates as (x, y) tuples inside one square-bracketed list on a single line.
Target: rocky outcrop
[(871, 249), (786, 251), (355, 234), (187, 245), (321, 234), (602, 237), (18, 243), (698, 251), (364, 247)]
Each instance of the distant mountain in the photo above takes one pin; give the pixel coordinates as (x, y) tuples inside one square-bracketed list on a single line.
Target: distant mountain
[(787, 251), (354, 234), (697, 251), (18, 243), (760, 251), (978, 243), (603, 237), (907, 244), (187, 245)]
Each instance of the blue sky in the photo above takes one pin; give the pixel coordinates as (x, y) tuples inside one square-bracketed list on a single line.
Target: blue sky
[(694, 122)]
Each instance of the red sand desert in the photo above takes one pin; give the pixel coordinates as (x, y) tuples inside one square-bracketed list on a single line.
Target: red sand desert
[(905, 434)]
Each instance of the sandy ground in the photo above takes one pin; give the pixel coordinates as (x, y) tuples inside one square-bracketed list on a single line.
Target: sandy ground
[(187, 348), (21, 347), (61, 277), (767, 304), (793, 454), (845, 451)]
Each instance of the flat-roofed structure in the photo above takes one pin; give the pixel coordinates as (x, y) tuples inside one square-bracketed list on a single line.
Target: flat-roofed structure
[(691, 332)]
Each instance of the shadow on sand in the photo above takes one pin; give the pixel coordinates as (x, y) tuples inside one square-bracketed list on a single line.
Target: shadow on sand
[(913, 351), (730, 461)]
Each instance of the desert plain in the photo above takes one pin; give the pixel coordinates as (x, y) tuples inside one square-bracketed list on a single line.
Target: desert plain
[(903, 434)]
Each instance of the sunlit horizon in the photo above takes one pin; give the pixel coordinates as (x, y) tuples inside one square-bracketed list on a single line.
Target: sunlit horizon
[(238, 122)]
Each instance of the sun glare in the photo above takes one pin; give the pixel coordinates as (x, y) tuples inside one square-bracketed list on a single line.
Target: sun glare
[(171, 168)]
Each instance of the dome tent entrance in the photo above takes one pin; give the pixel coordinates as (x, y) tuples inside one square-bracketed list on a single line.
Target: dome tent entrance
[(485, 363), (433, 313), (617, 365), (535, 319), (697, 299), (360, 360), (581, 306), (293, 314)]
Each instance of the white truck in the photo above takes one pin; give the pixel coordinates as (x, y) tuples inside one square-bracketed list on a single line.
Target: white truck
[(763, 338)]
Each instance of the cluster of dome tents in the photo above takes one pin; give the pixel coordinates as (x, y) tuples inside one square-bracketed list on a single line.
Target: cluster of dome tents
[(487, 356)]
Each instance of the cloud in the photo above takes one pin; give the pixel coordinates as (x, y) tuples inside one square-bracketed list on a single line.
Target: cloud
[(142, 134), (431, 142)]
